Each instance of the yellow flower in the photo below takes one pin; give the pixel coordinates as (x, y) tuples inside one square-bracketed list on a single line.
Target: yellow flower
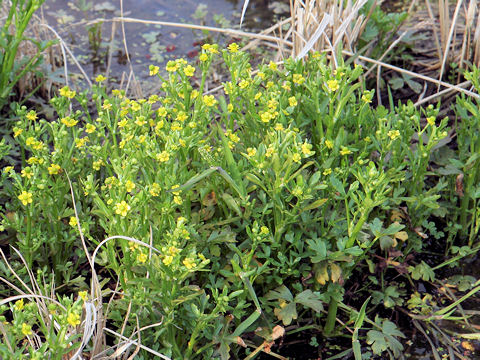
[(122, 123), (68, 121), (431, 120), (81, 142), (345, 151), (298, 79), (279, 127), (292, 101), (35, 160), (129, 185), (54, 169), (269, 151), (329, 144), (19, 305), (333, 85), (327, 172), (66, 92), (251, 151), (32, 115), (164, 156), (230, 108), (122, 208), (189, 263), (243, 84), (264, 230), (167, 260), (393, 134), (307, 149), (272, 66), (367, 97), (209, 100), (172, 66), (233, 47), (296, 157), (189, 70), (177, 200), (155, 190), (181, 116), (203, 57), (97, 164), (26, 198), (100, 78), (153, 70), (194, 94), (17, 131), (106, 105), (142, 257), (211, 48), (7, 169), (73, 318), (73, 221), (83, 295), (90, 128), (297, 191), (26, 329), (27, 172), (266, 116)]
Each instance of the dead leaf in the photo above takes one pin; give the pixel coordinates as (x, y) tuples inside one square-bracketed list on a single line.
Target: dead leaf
[(241, 342), (401, 235), (277, 332), (210, 199), (336, 272), (459, 185)]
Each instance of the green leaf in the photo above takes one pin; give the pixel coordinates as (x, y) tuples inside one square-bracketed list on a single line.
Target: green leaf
[(337, 185), (308, 299), (286, 313), (281, 292)]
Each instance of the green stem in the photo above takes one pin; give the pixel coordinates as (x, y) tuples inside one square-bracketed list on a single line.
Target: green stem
[(331, 317)]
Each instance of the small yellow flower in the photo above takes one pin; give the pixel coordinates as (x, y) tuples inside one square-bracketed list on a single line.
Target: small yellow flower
[(194, 94), (155, 190), (431, 120), (269, 151), (73, 221), (251, 151), (153, 70), (26, 198), (19, 304), (167, 259), (100, 78), (172, 66), (32, 115), (189, 263), (298, 79), (73, 318), (329, 144), (26, 329), (68, 121), (189, 70), (122, 208), (122, 123), (264, 230), (142, 257), (230, 108), (181, 116), (272, 66), (367, 97), (209, 100), (279, 127), (307, 149), (54, 169), (233, 47), (83, 295), (345, 151), (292, 101), (327, 172), (129, 185), (106, 105), (164, 156), (393, 134), (177, 200), (7, 169), (97, 164), (296, 157), (203, 57), (243, 84), (90, 128), (333, 85), (27, 172), (17, 131), (298, 191)]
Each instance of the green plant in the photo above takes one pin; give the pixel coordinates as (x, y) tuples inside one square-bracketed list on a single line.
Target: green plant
[(12, 34)]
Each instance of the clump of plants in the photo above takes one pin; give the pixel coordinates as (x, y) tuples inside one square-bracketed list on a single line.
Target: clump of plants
[(231, 219)]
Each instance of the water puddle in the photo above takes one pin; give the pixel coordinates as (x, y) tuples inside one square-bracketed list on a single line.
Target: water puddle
[(99, 44)]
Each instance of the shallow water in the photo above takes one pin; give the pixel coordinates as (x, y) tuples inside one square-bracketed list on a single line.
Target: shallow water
[(146, 43)]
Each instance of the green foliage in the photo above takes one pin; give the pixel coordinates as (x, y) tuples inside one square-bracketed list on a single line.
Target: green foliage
[(13, 69), (224, 202)]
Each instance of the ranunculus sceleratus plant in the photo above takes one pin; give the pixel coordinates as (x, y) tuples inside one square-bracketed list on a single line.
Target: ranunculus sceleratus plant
[(287, 175)]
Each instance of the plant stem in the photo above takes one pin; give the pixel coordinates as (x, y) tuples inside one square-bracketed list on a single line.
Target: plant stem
[(331, 317)]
